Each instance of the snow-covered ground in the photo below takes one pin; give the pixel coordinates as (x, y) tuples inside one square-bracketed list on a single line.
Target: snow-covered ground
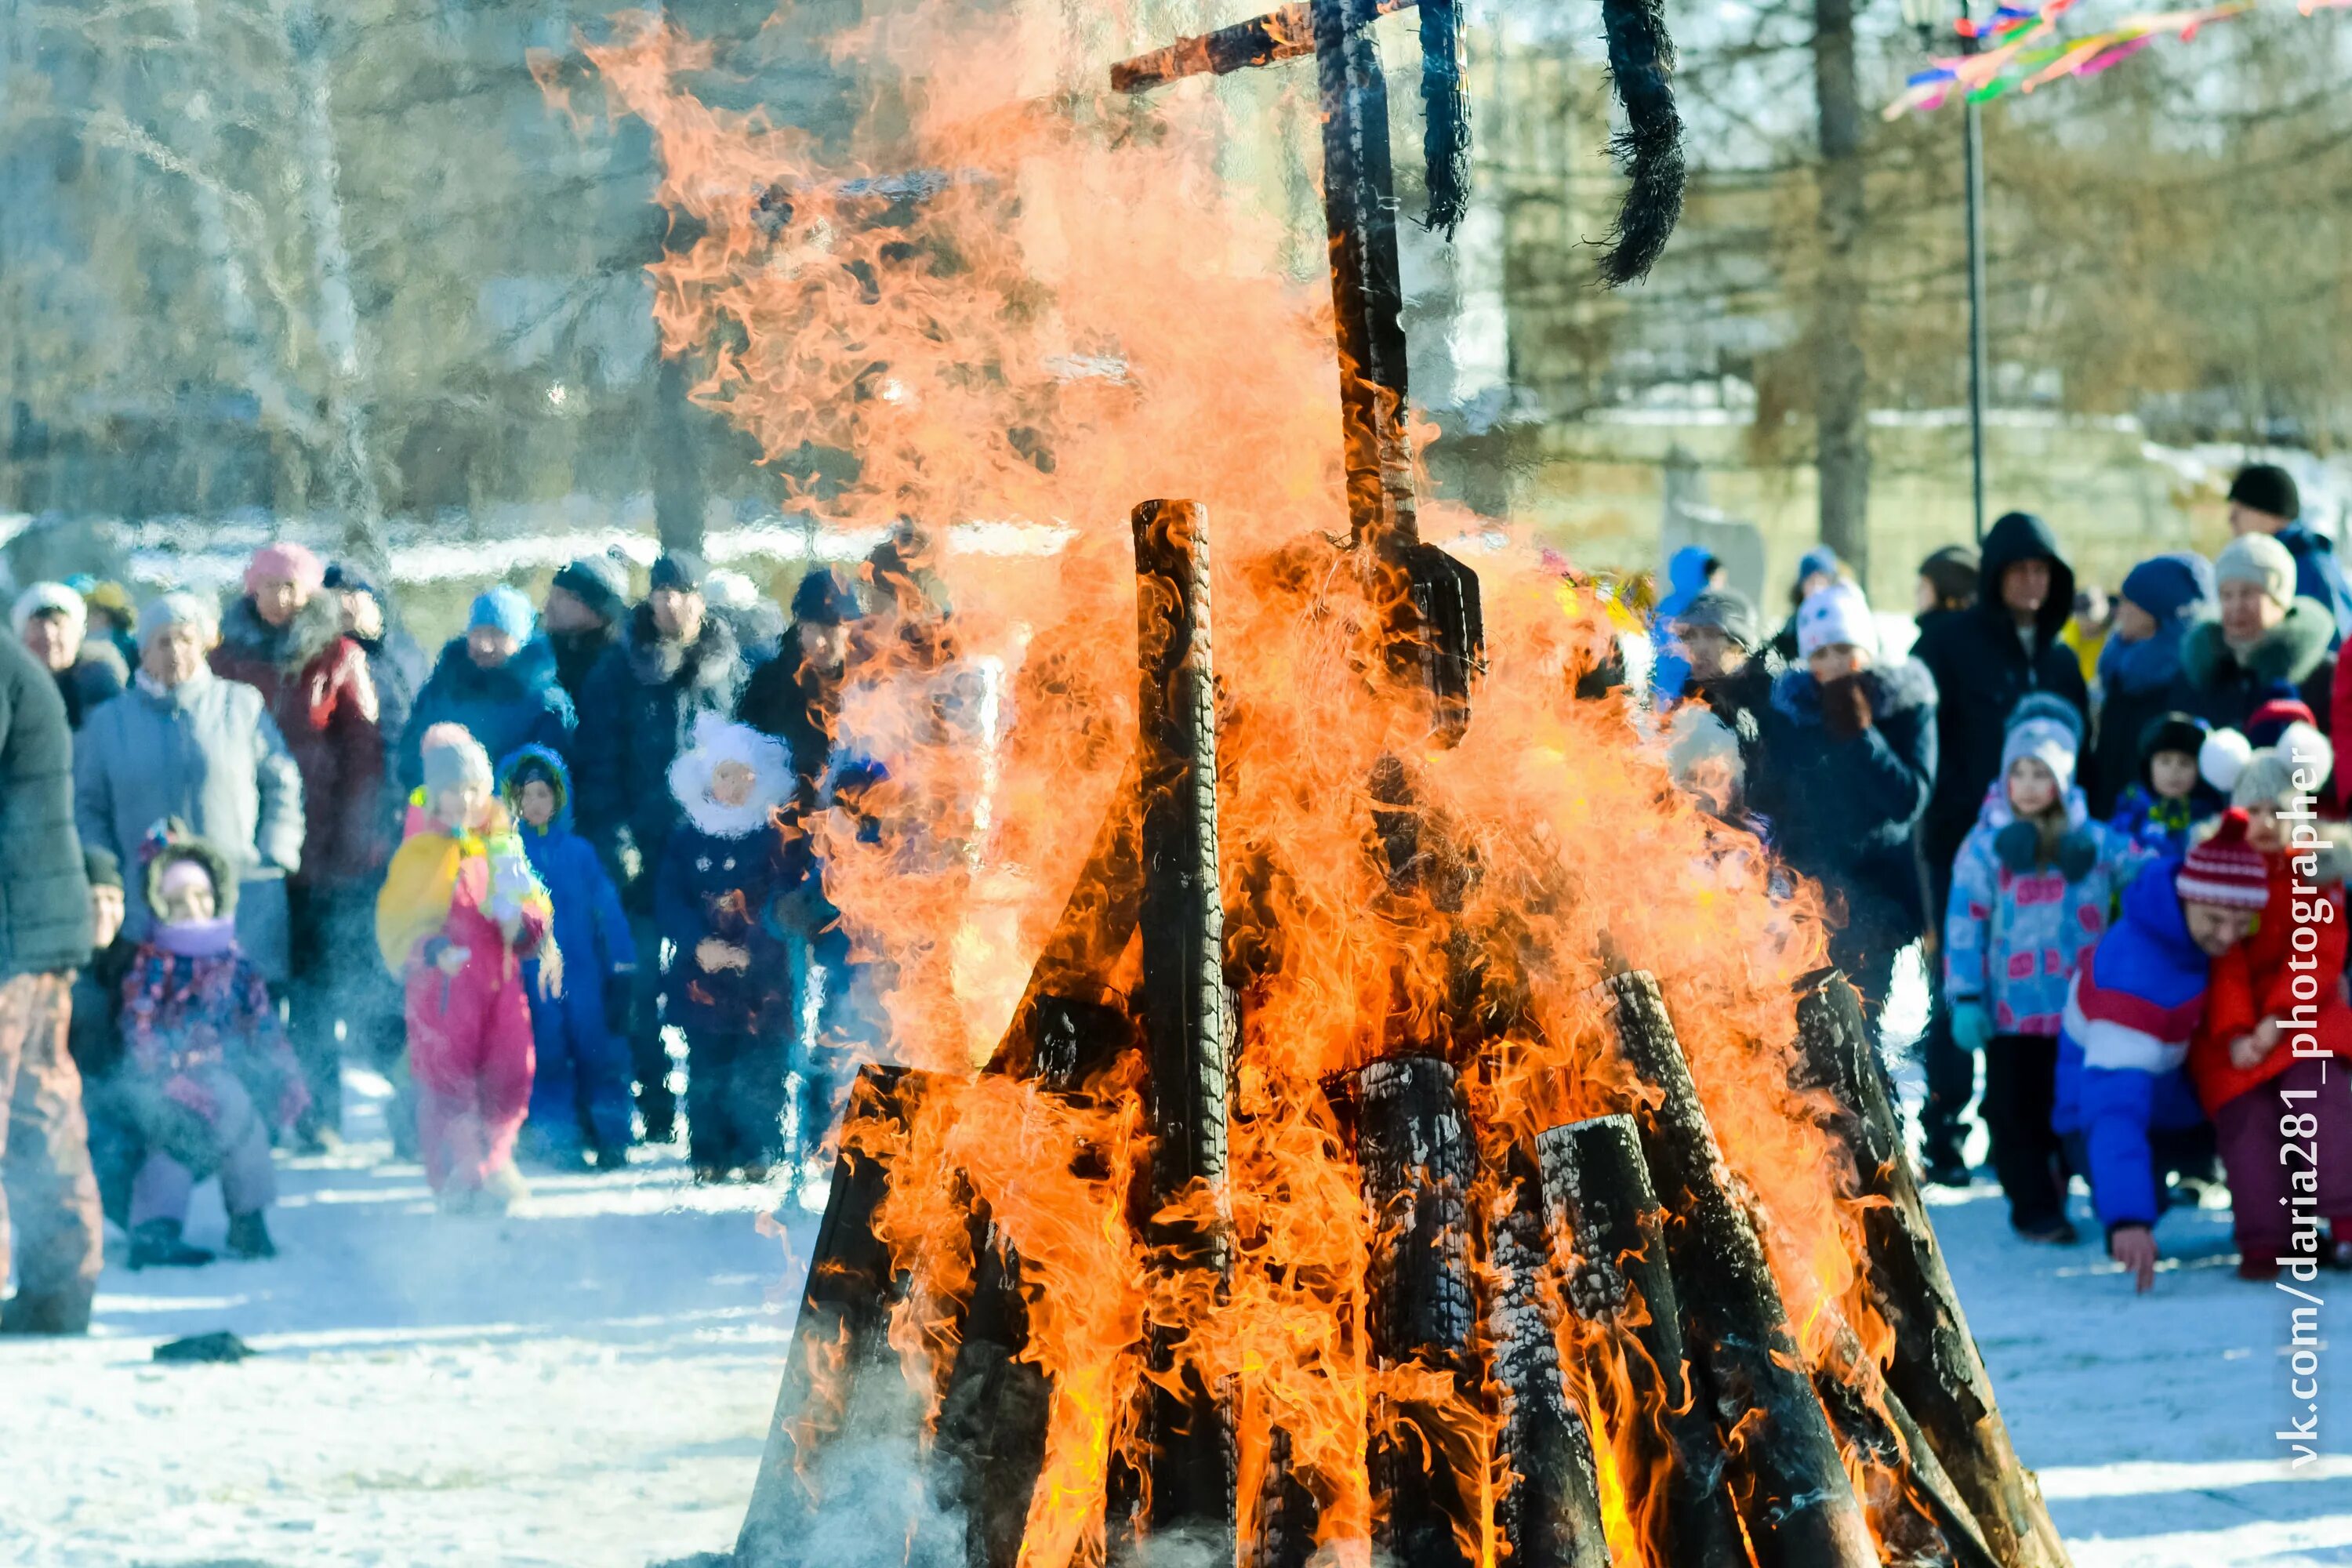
[(586, 1384)]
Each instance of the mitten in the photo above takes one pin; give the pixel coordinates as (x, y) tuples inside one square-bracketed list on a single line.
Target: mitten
[(2018, 846), (1971, 1026), (1846, 706), (2078, 854)]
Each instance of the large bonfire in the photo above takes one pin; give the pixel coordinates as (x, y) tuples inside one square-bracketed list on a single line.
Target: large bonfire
[(1446, 1258)]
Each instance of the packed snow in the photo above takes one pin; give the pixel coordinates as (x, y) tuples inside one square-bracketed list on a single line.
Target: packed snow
[(586, 1383)]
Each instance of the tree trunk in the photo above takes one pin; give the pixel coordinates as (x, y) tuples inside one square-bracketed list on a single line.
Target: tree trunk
[(1798, 1507), (1841, 387)]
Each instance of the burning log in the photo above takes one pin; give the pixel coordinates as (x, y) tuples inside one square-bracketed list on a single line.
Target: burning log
[(1550, 1514), (1414, 1147), (1187, 1017), (1608, 1232), (840, 1338), (1934, 1371), (1798, 1507)]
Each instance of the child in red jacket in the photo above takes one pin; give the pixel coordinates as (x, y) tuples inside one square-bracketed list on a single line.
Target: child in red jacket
[(2272, 1060)]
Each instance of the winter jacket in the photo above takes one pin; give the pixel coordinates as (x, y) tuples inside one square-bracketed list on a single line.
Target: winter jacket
[(97, 675), (2137, 681), (1981, 666), (2291, 660), (2254, 981), (1843, 809), (577, 654), (778, 702), (208, 753), (1685, 581), (2131, 1012), (2013, 938), (316, 683), (2162, 826), (590, 929), (44, 894), (516, 705), (644, 697), (2318, 576), (182, 1015), (721, 885)]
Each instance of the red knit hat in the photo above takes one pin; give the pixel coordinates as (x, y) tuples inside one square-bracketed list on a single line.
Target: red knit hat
[(2225, 869)]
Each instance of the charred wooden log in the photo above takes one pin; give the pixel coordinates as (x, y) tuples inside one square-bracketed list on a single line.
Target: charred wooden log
[(1934, 1370), (1607, 1232), (1414, 1146), (1551, 1509), (1798, 1507), (1184, 1007), (841, 1372)]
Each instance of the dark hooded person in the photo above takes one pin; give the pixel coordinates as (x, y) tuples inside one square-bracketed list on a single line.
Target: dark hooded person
[(796, 696), (674, 663), (1983, 661), (285, 639), (586, 603)]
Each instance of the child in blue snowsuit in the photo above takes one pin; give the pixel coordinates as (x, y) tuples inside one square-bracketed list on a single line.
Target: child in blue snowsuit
[(580, 1037), (2032, 890), (2124, 1108), (2170, 795)]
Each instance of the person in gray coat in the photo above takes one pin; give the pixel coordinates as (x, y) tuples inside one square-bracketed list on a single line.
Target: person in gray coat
[(46, 1185), (183, 742)]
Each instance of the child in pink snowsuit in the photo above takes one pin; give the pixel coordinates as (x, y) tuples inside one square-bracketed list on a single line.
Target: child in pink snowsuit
[(459, 911)]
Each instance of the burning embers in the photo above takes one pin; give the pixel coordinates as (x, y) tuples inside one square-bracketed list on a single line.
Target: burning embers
[(1164, 1277)]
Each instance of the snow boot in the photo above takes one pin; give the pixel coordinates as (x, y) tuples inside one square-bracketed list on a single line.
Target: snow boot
[(248, 1236), (156, 1244), (29, 1314), (1944, 1169), (613, 1157), (502, 1189), (2058, 1231)]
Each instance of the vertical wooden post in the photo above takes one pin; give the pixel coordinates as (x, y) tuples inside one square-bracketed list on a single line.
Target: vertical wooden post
[(1800, 1507), (1186, 1012), (1414, 1145)]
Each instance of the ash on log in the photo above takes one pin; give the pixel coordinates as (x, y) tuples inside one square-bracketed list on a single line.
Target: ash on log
[(1550, 1512), (1185, 1010), (1608, 1234), (1935, 1371), (841, 1371), (1414, 1145), (1798, 1507)]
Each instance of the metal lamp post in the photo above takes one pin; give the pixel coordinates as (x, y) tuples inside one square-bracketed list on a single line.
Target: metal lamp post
[(1928, 17)]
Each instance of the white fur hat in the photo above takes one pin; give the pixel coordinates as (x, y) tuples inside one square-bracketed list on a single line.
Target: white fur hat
[(46, 599), (718, 740), (2249, 777), (1837, 614)]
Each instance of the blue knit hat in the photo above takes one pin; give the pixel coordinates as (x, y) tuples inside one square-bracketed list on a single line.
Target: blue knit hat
[(2047, 729), (2170, 587), (504, 608), (1820, 558)]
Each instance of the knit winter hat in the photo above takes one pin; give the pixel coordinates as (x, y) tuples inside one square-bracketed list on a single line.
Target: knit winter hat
[(2268, 723), (1837, 614), (681, 571), (115, 600), (2170, 586), (2225, 869), (1724, 609), (2267, 488), (1952, 572), (180, 608), (101, 868), (2255, 776), (825, 597), (503, 609), (2259, 559), (1820, 558), (2173, 731), (288, 561), (452, 758), (599, 582), (50, 599), (2047, 729)]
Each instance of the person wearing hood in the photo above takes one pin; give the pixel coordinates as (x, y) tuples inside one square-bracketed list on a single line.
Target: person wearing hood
[(285, 639), (582, 1083), (796, 697), (1692, 572), (1728, 671), (496, 682), (2030, 893), (1817, 568), (2266, 643), (729, 982), (2140, 664), (183, 742), (1849, 755), (53, 623), (2263, 500), (585, 605), (674, 663), (1984, 660)]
